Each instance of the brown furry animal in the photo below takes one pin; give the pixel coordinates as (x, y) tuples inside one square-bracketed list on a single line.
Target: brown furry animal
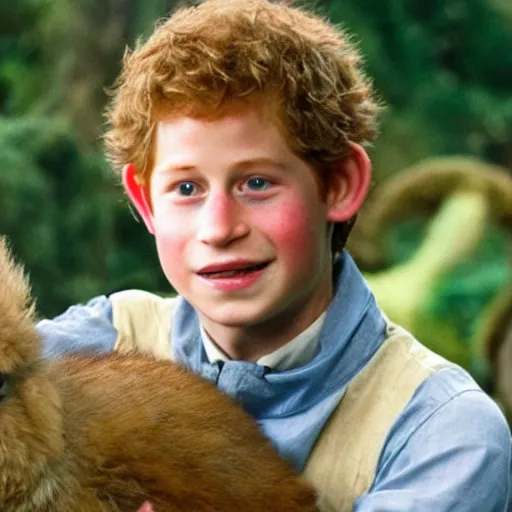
[(108, 433)]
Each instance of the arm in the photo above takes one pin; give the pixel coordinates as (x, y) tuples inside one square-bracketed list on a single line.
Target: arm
[(81, 329), (454, 458)]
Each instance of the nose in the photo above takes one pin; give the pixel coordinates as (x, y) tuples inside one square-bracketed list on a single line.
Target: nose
[(221, 220)]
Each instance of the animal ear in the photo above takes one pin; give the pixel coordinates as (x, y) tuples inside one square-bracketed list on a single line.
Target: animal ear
[(19, 341), (139, 195), (348, 185)]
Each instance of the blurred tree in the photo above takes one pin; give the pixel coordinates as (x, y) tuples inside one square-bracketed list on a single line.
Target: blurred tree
[(20, 54), (84, 46), (445, 70), (61, 212), (58, 57)]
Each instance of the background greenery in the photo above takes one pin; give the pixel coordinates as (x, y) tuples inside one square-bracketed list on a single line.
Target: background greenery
[(443, 68)]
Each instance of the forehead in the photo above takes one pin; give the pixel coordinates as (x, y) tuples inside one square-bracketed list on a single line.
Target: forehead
[(237, 131)]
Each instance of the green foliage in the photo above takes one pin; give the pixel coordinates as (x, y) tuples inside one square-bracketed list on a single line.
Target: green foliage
[(444, 68), (20, 54), (61, 213)]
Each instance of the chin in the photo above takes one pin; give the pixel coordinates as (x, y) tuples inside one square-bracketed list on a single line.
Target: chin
[(235, 316)]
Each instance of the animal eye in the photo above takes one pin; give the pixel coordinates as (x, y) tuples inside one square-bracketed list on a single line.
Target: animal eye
[(3, 386)]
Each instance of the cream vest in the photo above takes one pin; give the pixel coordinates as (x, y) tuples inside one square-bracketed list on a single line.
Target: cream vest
[(344, 458)]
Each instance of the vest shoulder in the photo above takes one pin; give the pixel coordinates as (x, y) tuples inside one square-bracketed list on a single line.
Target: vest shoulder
[(353, 437), (143, 322), (403, 347), (139, 296)]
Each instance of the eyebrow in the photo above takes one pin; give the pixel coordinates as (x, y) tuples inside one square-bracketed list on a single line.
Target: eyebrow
[(260, 162), (166, 167)]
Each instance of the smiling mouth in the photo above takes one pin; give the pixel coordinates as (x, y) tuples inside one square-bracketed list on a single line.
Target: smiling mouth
[(225, 274)]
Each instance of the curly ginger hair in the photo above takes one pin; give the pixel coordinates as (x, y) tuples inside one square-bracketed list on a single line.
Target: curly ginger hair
[(201, 58)]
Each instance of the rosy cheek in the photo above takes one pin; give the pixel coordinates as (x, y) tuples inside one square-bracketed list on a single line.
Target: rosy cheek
[(171, 242), (291, 228)]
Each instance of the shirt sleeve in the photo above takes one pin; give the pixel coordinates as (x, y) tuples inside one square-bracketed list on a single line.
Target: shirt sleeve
[(453, 458), (80, 329)]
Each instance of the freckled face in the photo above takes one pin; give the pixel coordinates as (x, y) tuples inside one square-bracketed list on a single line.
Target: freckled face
[(240, 229)]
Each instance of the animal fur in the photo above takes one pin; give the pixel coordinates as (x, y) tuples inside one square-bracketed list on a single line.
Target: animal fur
[(108, 433)]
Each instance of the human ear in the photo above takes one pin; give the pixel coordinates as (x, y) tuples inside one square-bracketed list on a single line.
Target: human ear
[(348, 184), (139, 196)]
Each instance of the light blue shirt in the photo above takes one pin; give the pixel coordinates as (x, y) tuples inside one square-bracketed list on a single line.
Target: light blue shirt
[(449, 450)]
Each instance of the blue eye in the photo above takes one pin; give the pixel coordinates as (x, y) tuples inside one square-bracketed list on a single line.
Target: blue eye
[(258, 184), (186, 188)]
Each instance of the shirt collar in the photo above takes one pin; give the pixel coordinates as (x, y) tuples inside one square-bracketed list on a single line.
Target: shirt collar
[(300, 350)]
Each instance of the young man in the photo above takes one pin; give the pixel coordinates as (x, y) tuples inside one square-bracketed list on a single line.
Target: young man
[(239, 131)]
